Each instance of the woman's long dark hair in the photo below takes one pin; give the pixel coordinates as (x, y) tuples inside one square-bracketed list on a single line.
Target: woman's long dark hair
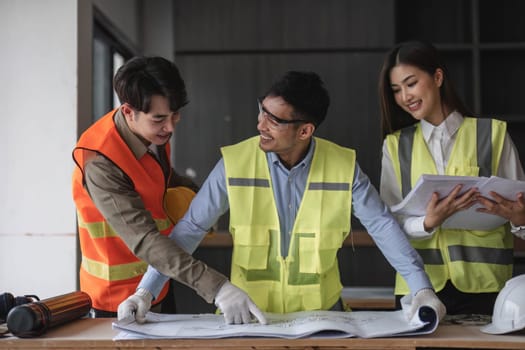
[(425, 57)]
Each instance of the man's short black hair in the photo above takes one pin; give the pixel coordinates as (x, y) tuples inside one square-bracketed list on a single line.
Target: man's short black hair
[(142, 77), (305, 92)]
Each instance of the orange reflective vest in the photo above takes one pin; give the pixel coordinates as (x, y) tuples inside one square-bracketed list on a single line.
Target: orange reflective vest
[(109, 271)]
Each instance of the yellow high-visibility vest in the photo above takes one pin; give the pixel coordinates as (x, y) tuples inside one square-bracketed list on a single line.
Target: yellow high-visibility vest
[(474, 261), (308, 278)]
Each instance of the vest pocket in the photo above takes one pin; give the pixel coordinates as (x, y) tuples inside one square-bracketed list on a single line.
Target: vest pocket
[(329, 244), (308, 255), (318, 254), (251, 247)]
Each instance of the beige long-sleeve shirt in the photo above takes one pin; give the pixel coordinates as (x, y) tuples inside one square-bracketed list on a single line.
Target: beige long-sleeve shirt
[(115, 197)]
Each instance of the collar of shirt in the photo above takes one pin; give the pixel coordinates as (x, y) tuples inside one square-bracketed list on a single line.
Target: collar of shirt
[(136, 145), (449, 127), (274, 159)]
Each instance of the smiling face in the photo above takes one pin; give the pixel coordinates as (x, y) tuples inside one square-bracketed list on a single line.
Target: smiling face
[(157, 125), (289, 141), (417, 92)]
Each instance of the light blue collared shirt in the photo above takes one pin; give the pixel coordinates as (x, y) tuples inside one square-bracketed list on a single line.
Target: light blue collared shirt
[(288, 187)]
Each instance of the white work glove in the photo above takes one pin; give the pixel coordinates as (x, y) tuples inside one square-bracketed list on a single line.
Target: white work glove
[(424, 297), (236, 305), (135, 307)]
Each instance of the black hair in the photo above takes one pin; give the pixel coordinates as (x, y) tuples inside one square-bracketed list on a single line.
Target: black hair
[(305, 92), (142, 77), (424, 56)]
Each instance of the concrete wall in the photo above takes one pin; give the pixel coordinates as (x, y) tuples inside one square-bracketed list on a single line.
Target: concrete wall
[(39, 100), (45, 94)]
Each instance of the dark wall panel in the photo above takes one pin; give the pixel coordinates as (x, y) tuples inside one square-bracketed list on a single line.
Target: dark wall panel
[(223, 110), (281, 24)]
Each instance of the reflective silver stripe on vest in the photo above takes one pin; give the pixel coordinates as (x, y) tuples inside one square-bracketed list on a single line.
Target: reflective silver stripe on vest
[(484, 146), (485, 255), (329, 186), (406, 144), (431, 256), (484, 151), (248, 182)]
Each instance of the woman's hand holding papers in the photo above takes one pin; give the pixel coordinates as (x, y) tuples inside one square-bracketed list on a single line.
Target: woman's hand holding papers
[(440, 209), (514, 211)]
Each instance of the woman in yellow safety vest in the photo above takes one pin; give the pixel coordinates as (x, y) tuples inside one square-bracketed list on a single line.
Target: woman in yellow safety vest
[(428, 130)]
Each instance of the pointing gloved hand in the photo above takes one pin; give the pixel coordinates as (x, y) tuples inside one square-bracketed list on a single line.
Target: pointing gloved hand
[(236, 305), (424, 297), (135, 307)]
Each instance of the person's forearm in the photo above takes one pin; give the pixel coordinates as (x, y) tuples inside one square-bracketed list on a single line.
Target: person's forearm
[(170, 260), (153, 280), (126, 215), (387, 234)]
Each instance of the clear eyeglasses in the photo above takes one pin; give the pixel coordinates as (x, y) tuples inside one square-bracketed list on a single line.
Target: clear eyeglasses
[(275, 122)]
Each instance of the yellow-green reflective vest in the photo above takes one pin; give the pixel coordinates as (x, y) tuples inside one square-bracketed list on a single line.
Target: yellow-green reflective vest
[(308, 278), (474, 261)]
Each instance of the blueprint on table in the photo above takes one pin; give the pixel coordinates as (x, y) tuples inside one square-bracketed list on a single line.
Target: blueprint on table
[(333, 324)]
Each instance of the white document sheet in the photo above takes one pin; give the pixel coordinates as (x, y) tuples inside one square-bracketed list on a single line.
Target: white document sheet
[(331, 324), (416, 201)]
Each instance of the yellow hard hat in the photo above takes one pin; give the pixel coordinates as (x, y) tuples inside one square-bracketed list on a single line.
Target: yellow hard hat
[(177, 201)]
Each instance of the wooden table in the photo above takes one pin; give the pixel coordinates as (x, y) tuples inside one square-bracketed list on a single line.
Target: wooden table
[(98, 334)]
